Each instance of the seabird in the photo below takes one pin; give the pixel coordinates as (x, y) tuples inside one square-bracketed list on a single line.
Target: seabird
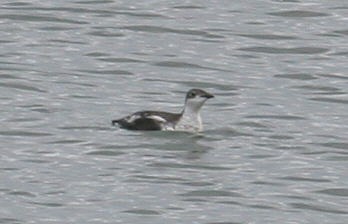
[(188, 120)]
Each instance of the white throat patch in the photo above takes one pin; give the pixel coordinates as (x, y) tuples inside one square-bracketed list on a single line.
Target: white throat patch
[(191, 119)]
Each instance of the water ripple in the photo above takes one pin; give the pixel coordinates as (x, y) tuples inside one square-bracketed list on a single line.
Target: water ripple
[(142, 212), (277, 117), (21, 87), (105, 33), (335, 145), (160, 29), (268, 36), (343, 32), (210, 193), (305, 179), (339, 192), (334, 76), (299, 14), (66, 142), (10, 221), (278, 50), (226, 88), (106, 72), (176, 64), (93, 2), (104, 153), (120, 60), (36, 18), (48, 204), (22, 193), (318, 208), (188, 166), (318, 88), (330, 100), (155, 179), (296, 76), (19, 133), (227, 222)]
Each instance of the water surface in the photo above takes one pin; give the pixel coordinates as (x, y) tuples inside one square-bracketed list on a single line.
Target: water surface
[(275, 144)]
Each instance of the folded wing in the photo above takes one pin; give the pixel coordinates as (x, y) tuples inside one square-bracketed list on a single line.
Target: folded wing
[(144, 120)]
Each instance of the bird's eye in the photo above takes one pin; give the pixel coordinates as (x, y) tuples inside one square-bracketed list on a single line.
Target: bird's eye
[(192, 94)]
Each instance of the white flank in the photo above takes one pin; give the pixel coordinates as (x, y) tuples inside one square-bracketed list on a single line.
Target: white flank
[(132, 118), (157, 118)]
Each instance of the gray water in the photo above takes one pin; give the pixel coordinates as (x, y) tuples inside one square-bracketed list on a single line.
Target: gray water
[(274, 149)]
